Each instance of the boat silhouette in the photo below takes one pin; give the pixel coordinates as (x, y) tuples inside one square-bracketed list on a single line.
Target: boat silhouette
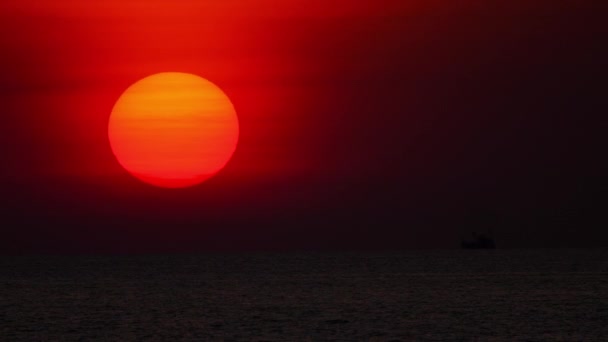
[(478, 241)]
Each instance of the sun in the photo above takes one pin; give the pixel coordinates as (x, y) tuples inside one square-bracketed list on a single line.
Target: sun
[(173, 129)]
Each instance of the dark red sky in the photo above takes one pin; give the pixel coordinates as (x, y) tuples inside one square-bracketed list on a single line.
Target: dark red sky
[(364, 124)]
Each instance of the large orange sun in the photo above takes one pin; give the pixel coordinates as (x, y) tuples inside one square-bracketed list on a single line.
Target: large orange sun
[(173, 129)]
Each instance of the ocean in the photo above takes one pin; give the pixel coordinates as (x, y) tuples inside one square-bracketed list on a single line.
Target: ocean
[(449, 295)]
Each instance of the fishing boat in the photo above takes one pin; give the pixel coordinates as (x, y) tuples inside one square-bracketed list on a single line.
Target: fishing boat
[(478, 241)]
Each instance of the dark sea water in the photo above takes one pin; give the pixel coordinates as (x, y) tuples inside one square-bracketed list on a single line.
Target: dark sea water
[(553, 295)]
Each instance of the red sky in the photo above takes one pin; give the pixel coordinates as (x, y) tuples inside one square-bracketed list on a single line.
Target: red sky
[(420, 117)]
